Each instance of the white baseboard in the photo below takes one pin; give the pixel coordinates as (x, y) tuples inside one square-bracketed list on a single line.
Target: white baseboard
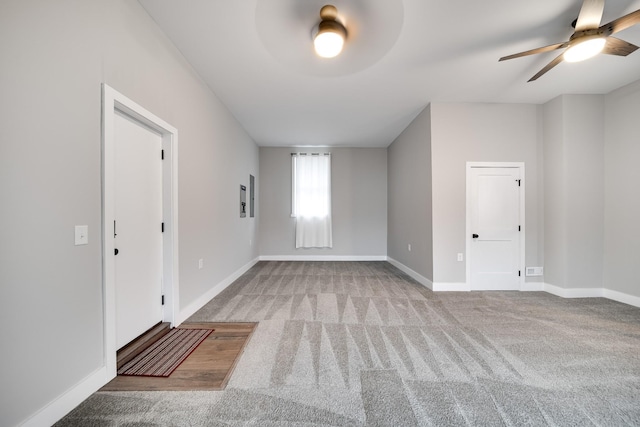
[(414, 274), (323, 258), (573, 292), (621, 297), (208, 296), (65, 403), (593, 293), (526, 287), (451, 287)]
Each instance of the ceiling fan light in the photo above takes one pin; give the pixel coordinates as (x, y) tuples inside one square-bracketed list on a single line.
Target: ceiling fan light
[(328, 44), (585, 49), (329, 40)]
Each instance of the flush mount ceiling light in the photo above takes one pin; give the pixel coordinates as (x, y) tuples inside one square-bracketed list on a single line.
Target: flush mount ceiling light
[(288, 35), (329, 40)]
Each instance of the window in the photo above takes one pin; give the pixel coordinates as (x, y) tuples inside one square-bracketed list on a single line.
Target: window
[(311, 199)]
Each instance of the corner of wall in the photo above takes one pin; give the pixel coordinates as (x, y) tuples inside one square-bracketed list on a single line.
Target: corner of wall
[(413, 274), (196, 305)]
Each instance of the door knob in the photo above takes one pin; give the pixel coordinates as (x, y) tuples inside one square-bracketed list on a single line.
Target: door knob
[(475, 236), (115, 252)]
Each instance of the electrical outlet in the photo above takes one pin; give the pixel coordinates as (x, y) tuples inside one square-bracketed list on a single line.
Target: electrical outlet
[(200, 263), (460, 257), (409, 247)]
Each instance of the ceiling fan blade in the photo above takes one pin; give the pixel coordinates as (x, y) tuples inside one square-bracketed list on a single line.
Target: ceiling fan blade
[(621, 23), (537, 50), (618, 47), (549, 66), (590, 15)]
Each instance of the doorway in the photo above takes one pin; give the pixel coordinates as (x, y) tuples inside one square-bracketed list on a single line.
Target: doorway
[(495, 226), (140, 227)]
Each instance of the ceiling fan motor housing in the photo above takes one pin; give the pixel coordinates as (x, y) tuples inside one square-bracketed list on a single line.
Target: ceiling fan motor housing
[(587, 34), (332, 26)]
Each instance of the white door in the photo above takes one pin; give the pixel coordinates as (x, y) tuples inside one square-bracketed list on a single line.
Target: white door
[(495, 226), (137, 229)]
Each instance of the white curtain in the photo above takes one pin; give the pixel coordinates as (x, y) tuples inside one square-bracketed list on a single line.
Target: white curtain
[(312, 200)]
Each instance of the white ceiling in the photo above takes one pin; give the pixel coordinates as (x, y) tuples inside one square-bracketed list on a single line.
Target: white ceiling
[(256, 55)]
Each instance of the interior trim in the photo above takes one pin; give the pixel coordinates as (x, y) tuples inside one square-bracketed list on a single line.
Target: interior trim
[(323, 258)]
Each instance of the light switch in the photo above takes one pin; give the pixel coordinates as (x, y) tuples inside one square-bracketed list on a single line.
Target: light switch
[(82, 235)]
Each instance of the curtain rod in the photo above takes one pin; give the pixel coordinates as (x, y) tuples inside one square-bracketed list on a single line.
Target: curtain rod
[(310, 154)]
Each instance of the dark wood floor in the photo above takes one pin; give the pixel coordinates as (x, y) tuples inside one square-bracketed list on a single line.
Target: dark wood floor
[(209, 367)]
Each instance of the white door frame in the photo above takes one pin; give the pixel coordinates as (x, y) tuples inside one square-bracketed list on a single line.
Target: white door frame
[(112, 102), (519, 165)]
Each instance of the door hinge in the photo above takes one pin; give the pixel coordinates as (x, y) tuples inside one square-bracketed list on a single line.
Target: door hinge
[(162, 154), (518, 182), (162, 299), (518, 275), (519, 228), (162, 227)]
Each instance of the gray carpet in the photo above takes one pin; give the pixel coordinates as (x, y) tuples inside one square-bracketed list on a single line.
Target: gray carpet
[(346, 343)]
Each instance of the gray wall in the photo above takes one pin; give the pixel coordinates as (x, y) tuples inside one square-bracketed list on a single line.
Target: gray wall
[(584, 198), (55, 57), (622, 197), (410, 187), (554, 193), (574, 191), (359, 202), (463, 133)]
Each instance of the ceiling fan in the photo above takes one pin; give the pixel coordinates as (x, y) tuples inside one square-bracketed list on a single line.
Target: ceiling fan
[(589, 37)]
